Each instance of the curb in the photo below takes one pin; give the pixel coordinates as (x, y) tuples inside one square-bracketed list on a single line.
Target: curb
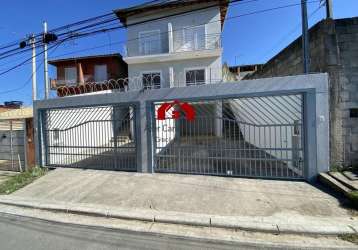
[(197, 220)]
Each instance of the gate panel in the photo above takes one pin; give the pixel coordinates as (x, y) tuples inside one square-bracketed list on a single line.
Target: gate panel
[(102, 137), (12, 149), (252, 137)]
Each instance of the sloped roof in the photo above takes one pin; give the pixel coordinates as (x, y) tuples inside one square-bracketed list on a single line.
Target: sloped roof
[(123, 14), (17, 114), (71, 59)]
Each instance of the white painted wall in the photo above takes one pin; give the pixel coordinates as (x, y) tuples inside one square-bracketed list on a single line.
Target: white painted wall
[(213, 68), (265, 111), (79, 131), (210, 18)]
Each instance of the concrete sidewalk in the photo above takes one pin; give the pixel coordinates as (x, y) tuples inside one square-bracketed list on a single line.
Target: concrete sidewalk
[(261, 205)]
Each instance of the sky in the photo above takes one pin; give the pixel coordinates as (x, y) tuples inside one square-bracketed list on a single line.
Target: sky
[(247, 39)]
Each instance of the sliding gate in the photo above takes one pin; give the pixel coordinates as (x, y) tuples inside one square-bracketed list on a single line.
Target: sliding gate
[(96, 137), (253, 137)]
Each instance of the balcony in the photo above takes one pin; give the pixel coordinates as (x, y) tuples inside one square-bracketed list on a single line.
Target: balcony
[(179, 45)]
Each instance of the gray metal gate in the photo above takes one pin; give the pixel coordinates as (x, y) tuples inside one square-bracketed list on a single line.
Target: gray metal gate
[(252, 137), (12, 146), (96, 137)]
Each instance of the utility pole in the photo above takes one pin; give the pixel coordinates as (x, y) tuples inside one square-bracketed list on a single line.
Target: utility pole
[(329, 9), (305, 38), (46, 80), (34, 79)]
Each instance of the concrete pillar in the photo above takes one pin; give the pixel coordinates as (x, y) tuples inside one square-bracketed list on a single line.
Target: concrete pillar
[(143, 124), (218, 119), (170, 38), (81, 78), (171, 77)]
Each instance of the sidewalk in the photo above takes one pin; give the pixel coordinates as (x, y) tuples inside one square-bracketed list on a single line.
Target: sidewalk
[(258, 205)]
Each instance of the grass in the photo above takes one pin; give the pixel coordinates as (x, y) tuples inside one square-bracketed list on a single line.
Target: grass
[(21, 180), (350, 237)]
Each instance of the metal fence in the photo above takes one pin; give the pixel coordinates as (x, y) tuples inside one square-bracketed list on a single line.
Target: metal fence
[(269, 128), (254, 137), (100, 137), (12, 145)]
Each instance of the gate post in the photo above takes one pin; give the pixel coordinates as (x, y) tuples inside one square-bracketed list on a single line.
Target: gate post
[(143, 138)]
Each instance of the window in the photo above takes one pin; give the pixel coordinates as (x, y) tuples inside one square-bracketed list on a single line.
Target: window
[(100, 73), (71, 75), (195, 77), (151, 80), (353, 113), (194, 38), (150, 42)]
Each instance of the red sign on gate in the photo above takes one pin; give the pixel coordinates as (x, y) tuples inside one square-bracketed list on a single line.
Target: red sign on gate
[(182, 107)]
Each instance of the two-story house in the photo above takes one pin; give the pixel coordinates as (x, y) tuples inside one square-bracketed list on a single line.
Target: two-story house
[(174, 43)]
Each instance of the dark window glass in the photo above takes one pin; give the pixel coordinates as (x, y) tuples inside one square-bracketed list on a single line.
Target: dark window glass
[(151, 80), (195, 77)]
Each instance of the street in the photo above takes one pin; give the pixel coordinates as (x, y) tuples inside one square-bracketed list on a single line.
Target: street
[(27, 233)]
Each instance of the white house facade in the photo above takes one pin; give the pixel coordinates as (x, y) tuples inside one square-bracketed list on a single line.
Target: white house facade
[(174, 44)]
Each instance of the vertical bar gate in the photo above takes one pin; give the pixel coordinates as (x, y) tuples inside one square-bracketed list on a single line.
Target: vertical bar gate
[(252, 137), (96, 137)]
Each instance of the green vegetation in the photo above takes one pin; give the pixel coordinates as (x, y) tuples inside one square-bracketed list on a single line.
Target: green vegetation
[(350, 237), (353, 197), (22, 179)]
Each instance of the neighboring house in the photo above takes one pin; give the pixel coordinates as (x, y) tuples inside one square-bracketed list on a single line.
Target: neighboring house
[(334, 49), (181, 50), (241, 71), (10, 105), (81, 70)]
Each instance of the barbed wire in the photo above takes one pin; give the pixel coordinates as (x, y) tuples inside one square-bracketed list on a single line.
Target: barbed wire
[(142, 82)]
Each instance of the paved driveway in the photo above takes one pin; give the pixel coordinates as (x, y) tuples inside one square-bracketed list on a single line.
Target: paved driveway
[(185, 193)]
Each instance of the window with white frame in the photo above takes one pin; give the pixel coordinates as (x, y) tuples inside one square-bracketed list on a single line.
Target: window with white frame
[(100, 73), (70, 75), (194, 38), (151, 80), (150, 42), (195, 77)]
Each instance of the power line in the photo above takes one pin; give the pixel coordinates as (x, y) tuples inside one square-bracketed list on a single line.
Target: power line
[(27, 60), (37, 69), (76, 36), (116, 19), (283, 38), (228, 18)]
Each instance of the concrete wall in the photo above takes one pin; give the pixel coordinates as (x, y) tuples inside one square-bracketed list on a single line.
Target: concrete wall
[(334, 49)]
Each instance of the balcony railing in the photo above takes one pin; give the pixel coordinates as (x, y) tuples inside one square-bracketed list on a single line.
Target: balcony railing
[(165, 45)]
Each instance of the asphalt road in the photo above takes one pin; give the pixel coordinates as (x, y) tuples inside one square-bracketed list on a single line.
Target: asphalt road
[(27, 233)]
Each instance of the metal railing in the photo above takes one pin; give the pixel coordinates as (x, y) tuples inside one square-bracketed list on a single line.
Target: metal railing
[(180, 43), (196, 42)]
